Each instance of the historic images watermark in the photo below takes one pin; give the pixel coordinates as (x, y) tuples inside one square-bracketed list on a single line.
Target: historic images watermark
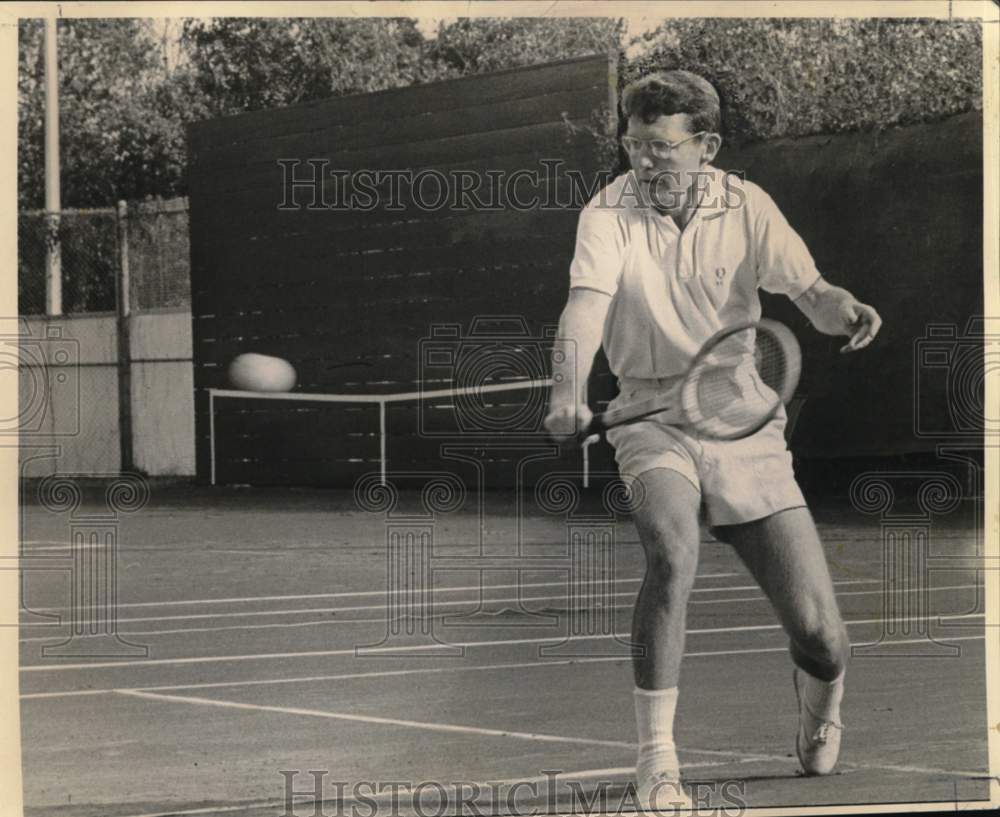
[(550, 186), (89, 561), (317, 793), (41, 364), (496, 377), (420, 612), (951, 365), (954, 362), (907, 614), (481, 407)]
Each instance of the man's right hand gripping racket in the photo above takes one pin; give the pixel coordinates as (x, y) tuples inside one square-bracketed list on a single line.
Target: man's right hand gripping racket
[(736, 383)]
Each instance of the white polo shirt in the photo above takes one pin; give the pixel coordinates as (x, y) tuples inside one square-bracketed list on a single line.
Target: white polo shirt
[(672, 290)]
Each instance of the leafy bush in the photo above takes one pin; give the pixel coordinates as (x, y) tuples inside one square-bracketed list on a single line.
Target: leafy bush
[(476, 45), (793, 77), (243, 64), (124, 109)]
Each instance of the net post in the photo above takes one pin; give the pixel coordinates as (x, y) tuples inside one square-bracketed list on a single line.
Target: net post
[(382, 440), (211, 436)]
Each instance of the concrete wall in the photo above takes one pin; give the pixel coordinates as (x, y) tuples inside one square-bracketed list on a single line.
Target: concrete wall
[(68, 394), (163, 394)]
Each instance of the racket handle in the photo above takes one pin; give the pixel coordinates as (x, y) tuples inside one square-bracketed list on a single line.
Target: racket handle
[(598, 425)]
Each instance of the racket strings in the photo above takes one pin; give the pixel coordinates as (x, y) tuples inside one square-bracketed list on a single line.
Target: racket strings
[(740, 383)]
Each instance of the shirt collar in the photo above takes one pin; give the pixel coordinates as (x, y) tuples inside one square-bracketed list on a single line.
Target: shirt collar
[(713, 200)]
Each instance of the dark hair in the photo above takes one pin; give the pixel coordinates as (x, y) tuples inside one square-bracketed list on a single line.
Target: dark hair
[(666, 93)]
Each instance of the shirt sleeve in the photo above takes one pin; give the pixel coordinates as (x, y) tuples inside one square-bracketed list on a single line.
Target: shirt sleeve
[(784, 264), (600, 250)]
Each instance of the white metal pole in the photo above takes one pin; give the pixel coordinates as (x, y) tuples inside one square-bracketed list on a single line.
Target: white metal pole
[(211, 436), (382, 440), (53, 204)]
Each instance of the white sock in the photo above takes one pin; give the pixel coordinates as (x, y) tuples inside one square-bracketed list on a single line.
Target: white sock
[(823, 697), (654, 717)]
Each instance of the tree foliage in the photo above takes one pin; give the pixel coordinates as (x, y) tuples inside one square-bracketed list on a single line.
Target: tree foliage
[(792, 77), (121, 130), (242, 64), (479, 44), (124, 111)]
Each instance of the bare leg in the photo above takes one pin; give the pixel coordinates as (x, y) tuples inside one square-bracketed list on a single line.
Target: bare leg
[(785, 556), (667, 522)]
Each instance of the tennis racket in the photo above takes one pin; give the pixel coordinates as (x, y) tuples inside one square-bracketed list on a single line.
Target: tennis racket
[(736, 383)]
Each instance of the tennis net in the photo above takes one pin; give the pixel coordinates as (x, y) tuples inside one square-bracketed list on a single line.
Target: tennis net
[(348, 433)]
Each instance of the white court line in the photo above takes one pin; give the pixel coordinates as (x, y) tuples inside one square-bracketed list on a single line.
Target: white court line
[(478, 730), (385, 604), (76, 693), (210, 659), (365, 607), (80, 546), (383, 620), (382, 592), (346, 716), (254, 805), (344, 676)]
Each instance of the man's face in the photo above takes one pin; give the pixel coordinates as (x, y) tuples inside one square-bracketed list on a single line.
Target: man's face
[(665, 181)]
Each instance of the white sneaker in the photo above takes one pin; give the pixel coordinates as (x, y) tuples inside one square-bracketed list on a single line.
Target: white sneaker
[(818, 741), (663, 792)]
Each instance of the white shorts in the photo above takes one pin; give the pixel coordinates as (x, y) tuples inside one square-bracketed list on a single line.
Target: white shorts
[(739, 480)]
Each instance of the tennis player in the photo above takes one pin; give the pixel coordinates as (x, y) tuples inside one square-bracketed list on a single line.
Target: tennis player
[(667, 255)]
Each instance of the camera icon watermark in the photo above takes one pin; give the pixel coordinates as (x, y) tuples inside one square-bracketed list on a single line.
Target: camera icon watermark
[(43, 365), (951, 368), (491, 381), (88, 623), (907, 504), (426, 618)]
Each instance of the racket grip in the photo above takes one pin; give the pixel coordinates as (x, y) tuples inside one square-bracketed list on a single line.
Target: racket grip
[(597, 425)]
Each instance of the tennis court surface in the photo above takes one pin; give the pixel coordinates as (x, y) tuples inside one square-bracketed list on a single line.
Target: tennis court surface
[(281, 647)]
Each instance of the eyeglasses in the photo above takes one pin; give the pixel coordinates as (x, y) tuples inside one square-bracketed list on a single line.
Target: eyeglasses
[(660, 148)]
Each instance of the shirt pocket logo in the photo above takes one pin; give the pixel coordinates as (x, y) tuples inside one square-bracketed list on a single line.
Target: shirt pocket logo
[(720, 276)]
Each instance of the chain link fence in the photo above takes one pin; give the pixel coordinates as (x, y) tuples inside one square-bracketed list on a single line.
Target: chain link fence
[(152, 236), (88, 248), (159, 255), (31, 232)]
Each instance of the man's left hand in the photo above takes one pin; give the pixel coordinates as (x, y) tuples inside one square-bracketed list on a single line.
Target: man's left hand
[(861, 323)]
